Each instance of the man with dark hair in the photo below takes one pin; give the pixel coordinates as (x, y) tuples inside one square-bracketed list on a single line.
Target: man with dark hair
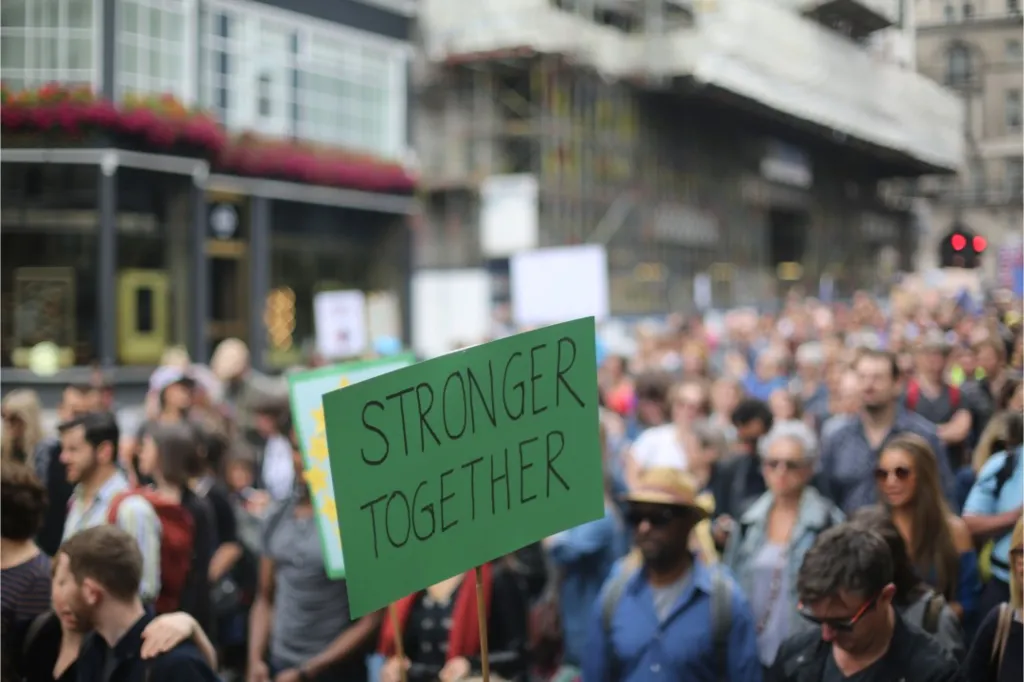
[(849, 453), (741, 481), (98, 573), (76, 400), (846, 589), (89, 453)]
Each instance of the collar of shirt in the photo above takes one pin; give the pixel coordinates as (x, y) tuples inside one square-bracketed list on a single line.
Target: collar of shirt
[(699, 579), (106, 492)]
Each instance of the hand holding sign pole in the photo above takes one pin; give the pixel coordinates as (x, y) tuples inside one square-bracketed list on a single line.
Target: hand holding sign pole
[(452, 463)]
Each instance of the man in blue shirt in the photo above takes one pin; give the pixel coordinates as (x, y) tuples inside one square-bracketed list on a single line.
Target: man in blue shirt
[(993, 507), (97, 575), (665, 615)]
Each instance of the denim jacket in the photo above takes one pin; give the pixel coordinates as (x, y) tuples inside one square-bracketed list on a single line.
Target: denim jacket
[(817, 513)]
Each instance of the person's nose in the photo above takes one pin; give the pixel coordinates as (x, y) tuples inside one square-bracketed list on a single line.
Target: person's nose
[(828, 633), (643, 527)]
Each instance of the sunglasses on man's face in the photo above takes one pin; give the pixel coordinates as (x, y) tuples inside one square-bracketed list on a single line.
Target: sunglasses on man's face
[(656, 517), (1017, 553), (840, 624), (784, 464), (883, 475)]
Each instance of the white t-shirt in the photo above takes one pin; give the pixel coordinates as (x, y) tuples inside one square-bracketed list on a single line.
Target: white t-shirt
[(659, 447)]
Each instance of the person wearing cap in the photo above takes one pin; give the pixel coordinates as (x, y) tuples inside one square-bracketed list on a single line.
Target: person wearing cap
[(168, 401), (664, 613)]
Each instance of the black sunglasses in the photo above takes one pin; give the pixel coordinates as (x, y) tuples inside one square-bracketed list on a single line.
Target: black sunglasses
[(901, 474), (840, 624), (657, 517)]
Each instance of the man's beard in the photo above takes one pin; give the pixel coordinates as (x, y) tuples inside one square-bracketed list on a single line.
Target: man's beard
[(875, 409)]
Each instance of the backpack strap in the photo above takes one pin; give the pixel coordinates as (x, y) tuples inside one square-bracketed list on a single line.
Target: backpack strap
[(932, 613), (1003, 626), (32, 633), (609, 604), (913, 395), (115, 505), (721, 619)]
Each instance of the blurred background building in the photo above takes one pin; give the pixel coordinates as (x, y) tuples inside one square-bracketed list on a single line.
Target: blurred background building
[(722, 150), (131, 222), (974, 48)]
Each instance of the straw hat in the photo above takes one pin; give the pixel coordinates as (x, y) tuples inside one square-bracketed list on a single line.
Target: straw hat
[(230, 359), (668, 486)]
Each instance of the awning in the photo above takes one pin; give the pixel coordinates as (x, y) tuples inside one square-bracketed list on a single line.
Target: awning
[(200, 172)]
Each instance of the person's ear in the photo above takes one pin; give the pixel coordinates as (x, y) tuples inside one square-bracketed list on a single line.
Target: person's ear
[(105, 452), (888, 594), (91, 591)]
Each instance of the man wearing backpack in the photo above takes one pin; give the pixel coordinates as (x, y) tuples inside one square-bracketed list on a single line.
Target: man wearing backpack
[(89, 454), (942, 404), (664, 614)]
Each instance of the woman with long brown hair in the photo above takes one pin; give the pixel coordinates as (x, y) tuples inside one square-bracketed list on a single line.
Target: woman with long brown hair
[(938, 541)]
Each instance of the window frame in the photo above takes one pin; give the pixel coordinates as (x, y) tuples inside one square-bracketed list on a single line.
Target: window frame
[(29, 76), (1013, 94), (187, 55)]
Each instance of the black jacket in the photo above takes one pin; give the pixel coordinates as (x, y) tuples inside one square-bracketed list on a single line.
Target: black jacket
[(913, 656), (97, 662)]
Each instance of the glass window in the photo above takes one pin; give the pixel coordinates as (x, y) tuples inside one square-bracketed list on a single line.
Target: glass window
[(48, 247), (1013, 109), (152, 48), (44, 41), (346, 88), (1015, 176), (1013, 50), (959, 69)]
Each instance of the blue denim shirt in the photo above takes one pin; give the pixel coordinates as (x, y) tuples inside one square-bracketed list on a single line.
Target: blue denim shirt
[(679, 648), (585, 556)]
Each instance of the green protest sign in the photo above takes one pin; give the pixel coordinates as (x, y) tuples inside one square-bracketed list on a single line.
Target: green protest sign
[(457, 461)]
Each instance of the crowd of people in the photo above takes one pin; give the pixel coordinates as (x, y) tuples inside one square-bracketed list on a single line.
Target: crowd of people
[(831, 492)]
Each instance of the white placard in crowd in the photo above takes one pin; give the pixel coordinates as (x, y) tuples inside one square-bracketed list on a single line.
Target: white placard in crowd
[(508, 215), (340, 318), (450, 308), (559, 284)]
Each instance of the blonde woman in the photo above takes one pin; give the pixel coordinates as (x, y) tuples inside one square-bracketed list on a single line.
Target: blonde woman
[(997, 652), (22, 429)]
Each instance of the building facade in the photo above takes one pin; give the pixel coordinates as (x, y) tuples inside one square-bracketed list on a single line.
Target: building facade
[(975, 49), (740, 142), (120, 239)]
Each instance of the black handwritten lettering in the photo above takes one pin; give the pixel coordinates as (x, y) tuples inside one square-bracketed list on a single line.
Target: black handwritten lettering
[(488, 409), (401, 406), (551, 457), (427, 510), (520, 385), (502, 477), (444, 498), (373, 521), (406, 516), (370, 427), (471, 465), (523, 467), (446, 406), (560, 373), (423, 412), (534, 377)]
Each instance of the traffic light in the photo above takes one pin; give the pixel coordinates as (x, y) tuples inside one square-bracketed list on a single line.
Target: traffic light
[(962, 249)]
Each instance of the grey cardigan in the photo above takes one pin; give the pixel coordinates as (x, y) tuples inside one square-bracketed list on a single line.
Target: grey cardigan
[(816, 514)]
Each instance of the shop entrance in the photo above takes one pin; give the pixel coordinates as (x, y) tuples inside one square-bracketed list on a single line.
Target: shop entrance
[(228, 260)]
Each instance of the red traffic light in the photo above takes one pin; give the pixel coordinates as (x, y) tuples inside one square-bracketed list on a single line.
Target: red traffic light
[(979, 244), (958, 242)]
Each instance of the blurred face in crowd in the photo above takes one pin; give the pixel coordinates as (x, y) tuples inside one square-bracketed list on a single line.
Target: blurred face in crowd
[(750, 432), (929, 362), (767, 366), (662, 532), (1016, 403), (988, 360), (785, 467), (14, 425), (879, 389), (80, 458), (1017, 558), (688, 404), (851, 621), (782, 405), (897, 477), (75, 604), (967, 361), (74, 403), (178, 397), (725, 396), (149, 457)]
